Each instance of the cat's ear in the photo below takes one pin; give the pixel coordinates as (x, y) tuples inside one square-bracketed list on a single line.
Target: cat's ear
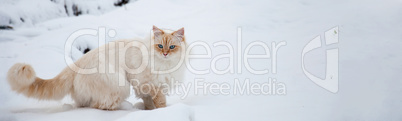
[(179, 33), (157, 31)]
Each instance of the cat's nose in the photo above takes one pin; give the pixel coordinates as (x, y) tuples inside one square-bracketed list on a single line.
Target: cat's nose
[(165, 54)]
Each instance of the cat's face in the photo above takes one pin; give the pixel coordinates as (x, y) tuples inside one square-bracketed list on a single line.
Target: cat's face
[(168, 44)]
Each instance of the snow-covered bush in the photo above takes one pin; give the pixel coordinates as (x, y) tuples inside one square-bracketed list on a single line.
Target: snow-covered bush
[(16, 13)]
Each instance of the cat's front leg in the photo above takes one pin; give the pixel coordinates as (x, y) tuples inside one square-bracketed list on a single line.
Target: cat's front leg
[(159, 99), (152, 96), (148, 102), (155, 99)]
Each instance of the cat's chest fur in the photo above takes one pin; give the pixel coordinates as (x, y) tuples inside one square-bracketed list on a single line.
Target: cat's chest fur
[(165, 72)]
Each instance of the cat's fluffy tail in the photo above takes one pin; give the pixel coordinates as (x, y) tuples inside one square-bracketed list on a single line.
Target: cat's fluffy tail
[(22, 79)]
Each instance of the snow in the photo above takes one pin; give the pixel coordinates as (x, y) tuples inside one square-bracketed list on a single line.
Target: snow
[(176, 112), (126, 106), (369, 61)]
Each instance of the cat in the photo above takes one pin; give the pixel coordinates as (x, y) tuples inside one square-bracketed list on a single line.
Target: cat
[(102, 90)]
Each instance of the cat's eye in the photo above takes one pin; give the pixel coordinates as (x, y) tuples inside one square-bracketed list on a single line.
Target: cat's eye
[(160, 46), (172, 46)]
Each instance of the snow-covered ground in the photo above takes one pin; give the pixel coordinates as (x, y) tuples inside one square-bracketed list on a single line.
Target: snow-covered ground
[(369, 62)]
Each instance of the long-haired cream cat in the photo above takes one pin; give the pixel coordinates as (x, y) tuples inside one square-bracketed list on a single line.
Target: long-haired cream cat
[(115, 61)]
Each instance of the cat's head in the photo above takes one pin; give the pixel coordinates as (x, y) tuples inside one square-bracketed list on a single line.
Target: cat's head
[(168, 44)]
